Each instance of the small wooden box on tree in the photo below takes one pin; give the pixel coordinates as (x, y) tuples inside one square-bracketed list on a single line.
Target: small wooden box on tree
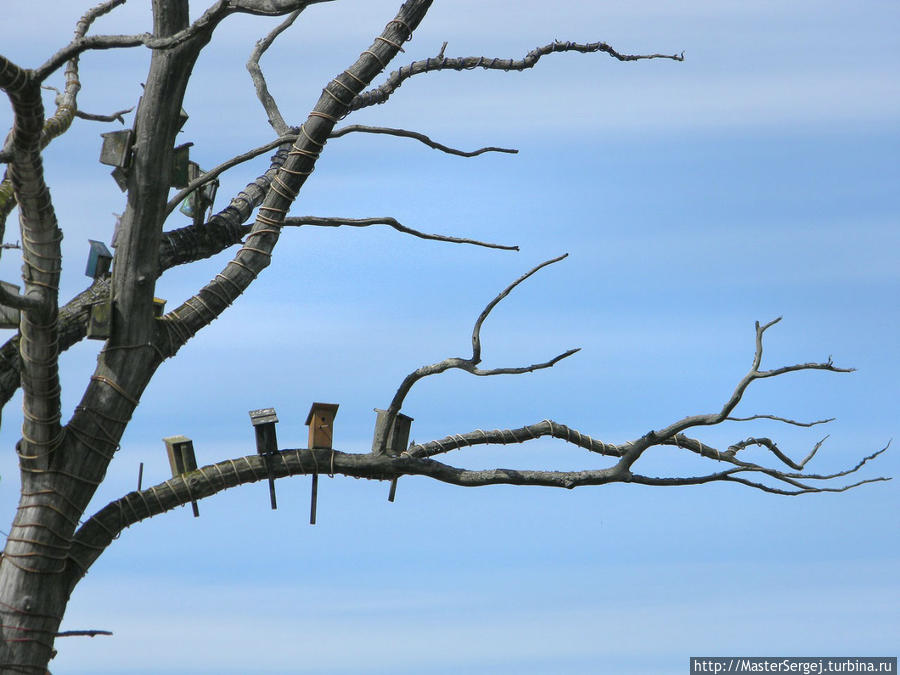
[(320, 421), (264, 421), (397, 435), (116, 149), (180, 161), (180, 450), (99, 260), (99, 325)]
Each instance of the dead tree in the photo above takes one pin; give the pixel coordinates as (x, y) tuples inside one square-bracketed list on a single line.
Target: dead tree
[(52, 541)]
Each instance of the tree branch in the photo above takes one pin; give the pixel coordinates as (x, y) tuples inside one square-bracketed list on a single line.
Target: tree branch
[(299, 221), (41, 255), (259, 80), (780, 419), (202, 27), (509, 436), (381, 93), (10, 299), (753, 375), (83, 633), (403, 133), (469, 365), (104, 526)]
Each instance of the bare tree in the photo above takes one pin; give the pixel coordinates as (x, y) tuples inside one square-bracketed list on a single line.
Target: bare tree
[(53, 541)]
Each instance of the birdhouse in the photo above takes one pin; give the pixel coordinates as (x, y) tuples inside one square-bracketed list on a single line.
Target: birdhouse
[(320, 422), (9, 316), (182, 118), (397, 435), (264, 421), (116, 149), (121, 177), (181, 454), (99, 325), (181, 460), (159, 307), (197, 202), (180, 161), (99, 260)]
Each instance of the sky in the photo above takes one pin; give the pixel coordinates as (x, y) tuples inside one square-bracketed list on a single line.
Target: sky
[(756, 179)]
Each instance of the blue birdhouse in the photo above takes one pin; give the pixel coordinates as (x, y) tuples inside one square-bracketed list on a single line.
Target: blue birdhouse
[(99, 260)]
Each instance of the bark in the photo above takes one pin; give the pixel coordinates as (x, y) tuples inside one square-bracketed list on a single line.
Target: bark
[(61, 467)]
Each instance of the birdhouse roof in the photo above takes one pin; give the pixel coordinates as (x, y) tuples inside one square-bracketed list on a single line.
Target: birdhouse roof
[(329, 408), (400, 415), (263, 416), (99, 248)]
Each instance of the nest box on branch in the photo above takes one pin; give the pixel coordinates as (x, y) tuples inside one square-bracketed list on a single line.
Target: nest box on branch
[(397, 435), (99, 260), (320, 421), (180, 450), (181, 159), (264, 420)]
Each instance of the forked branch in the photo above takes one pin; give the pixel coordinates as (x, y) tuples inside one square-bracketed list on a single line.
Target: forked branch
[(469, 365), (259, 80)]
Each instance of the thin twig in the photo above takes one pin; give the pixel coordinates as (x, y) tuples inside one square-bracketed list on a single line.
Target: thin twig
[(404, 133), (82, 633), (391, 222), (780, 419)]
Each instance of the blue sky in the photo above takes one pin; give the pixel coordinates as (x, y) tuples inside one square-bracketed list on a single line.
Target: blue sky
[(756, 179)]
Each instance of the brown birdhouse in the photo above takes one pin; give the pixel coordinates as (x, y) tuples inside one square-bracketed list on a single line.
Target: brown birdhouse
[(320, 422)]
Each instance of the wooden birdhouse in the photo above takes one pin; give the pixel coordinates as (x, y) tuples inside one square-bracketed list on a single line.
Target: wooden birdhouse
[(321, 424), (182, 460), (116, 149), (180, 162), (264, 421), (100, 320), (121, 177), (181, 454), (9, 316), (397, 435), (182, 118), (197, 202), (99, 260)]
